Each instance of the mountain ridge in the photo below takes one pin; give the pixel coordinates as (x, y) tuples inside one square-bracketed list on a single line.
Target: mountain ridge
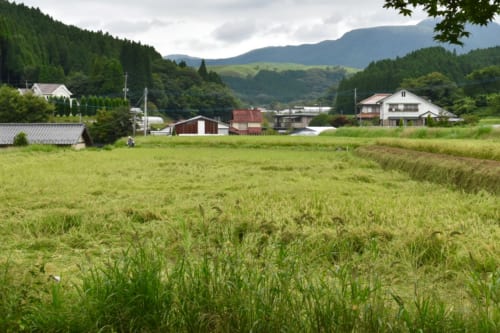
[(359, 47)]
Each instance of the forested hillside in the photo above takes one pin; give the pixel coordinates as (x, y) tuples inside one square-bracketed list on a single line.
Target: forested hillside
[(36, 48), (463, 84), (273, 87)]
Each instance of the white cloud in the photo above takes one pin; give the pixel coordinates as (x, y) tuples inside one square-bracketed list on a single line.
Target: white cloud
[(221, 28), (235, 31)]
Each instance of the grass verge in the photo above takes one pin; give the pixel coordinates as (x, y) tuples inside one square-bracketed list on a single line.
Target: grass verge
[(465, 173)]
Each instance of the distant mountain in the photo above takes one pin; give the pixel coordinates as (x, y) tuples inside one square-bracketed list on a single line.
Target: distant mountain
[(358, 48)]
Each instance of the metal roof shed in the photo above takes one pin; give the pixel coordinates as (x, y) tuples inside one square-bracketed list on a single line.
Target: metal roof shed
[(74, 135)]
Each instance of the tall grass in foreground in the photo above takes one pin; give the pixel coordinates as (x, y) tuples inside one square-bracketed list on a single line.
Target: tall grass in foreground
[(239, 239), (227, 292)]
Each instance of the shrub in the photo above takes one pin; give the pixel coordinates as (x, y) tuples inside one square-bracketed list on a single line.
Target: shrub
[(339, 121), (21, 140)]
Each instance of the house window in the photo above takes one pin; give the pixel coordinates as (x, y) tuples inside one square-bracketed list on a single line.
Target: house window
[(393, 107), (410, 108), (403, 93)]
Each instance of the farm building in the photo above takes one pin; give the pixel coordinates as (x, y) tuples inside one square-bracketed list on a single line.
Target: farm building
[(198, 125), (400, 108), (246, 122), (71, 135)]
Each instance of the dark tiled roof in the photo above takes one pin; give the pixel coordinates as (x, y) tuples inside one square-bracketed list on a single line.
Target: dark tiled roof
[(55, 134)]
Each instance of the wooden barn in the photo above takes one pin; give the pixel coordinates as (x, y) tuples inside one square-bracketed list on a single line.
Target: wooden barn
[(200, 125)]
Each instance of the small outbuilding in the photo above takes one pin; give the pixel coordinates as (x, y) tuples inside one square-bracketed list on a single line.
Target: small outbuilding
[(72, 135)]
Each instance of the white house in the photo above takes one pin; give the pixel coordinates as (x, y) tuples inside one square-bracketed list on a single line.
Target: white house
[(51, 90), (402, 107)]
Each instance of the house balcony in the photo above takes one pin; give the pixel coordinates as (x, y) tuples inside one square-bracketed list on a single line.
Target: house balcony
[(368, 115)]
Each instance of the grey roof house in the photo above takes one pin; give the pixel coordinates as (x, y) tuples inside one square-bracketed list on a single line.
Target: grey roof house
[(74, 135), (51, 90)]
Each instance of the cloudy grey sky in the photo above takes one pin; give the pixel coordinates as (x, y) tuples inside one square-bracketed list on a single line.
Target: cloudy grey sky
[(222, 28)]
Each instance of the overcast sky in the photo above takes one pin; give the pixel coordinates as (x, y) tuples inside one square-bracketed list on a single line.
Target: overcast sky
[(222, 28)]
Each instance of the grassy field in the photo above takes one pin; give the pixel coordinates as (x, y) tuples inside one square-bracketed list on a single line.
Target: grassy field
[(451, 133), (230, 234), (251, 70)]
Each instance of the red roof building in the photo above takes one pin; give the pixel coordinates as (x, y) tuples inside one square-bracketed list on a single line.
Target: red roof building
[(246, 122)]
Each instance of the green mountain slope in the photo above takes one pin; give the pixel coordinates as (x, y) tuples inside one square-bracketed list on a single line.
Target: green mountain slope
[(269, 84), (36, 48)]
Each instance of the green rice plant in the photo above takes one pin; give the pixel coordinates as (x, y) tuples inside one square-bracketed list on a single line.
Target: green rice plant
[(226, 293), (237, 234), (467, 174), (478, 132), (485, 292), (489, 121), (428, 314), (10, 302), (127, 294), (365, 132), (22, 293), (433, 249), (54, 224), (40, 148), (463, 148), (57, 313), (317, 143), (344, 301), (140, 216)]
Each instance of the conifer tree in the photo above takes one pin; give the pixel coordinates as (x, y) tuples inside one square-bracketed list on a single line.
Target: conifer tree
[(203, 70)]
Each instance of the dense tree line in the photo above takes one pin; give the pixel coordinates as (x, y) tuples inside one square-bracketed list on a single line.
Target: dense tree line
[(18, 108), (36, 48), (463, 84), (286, 87)]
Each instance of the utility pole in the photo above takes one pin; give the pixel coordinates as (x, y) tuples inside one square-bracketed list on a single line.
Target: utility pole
[(355, 101), (133, 125), (125, 89), (145, 122)]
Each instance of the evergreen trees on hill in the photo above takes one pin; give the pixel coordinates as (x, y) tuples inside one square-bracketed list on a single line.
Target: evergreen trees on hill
[(36, 48)]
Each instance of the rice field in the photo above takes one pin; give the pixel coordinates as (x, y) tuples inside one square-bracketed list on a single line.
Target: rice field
[(256, 234)]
